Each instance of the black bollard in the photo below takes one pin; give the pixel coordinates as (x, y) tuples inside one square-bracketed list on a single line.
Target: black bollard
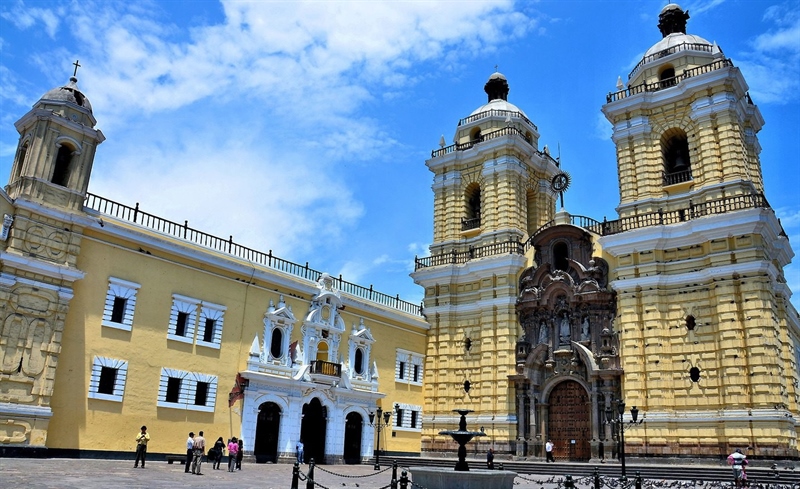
[(310, 476), (596, 478), (638, 481), (393, 484), (569, 483), (404, 480), (295, 475), (500, 466)]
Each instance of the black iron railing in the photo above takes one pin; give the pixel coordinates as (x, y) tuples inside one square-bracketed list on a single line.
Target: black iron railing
[(467, 224), (185, 232), (668, 82), (677, 177), (326, 368), (496, 113), (687, 46), (505, 131), (604, 228)]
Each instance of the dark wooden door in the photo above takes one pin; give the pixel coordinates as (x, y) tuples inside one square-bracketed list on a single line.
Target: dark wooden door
[(268, 428), (569, 422), (352, 438)]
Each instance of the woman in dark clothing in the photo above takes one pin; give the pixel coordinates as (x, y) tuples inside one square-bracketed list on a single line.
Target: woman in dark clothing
[(219, 448), (240, 455)]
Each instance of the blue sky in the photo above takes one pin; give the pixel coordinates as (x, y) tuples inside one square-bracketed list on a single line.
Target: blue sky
[(303, 127)]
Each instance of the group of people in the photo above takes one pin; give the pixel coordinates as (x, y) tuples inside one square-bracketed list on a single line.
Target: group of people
[(196, 448)]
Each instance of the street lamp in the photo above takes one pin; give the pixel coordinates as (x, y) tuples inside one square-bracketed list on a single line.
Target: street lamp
[(381, 424), (615, 419)]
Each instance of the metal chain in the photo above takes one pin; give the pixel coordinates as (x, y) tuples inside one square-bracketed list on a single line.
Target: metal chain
[(372, 474)]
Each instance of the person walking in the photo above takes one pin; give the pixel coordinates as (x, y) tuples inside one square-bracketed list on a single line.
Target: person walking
[(199, 448), (233, 449), (219, 451), (738, 461), (240, 455), (490, 459), (141, 446), (548, 449), (299, 448), (189, 451)]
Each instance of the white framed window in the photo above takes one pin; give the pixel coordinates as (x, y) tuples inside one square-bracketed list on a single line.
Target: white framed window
[(194, 391), (361, 341), (408, 417), (120, 304), (408, 367), (108, 379), (182, 318), (209, 328)]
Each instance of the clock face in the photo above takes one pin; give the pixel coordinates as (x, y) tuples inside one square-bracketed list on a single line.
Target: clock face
[(560, 182)]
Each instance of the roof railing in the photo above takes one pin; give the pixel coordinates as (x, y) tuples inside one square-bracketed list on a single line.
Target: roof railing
[(668, 82), (686, 46)]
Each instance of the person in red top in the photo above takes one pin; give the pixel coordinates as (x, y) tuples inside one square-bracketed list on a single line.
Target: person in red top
[(233, 449)]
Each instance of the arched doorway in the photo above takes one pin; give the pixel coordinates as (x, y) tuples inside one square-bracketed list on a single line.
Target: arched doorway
[(268, 427), (352, 438), (312, 431), (569, 422)]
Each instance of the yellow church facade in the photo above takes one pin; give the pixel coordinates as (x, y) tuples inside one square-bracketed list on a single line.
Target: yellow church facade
[(541, 322)]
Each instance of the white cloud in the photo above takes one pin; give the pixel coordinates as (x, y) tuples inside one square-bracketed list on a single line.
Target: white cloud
[(24, 17)]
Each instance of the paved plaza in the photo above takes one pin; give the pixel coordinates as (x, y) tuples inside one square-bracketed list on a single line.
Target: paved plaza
[(95, 474)]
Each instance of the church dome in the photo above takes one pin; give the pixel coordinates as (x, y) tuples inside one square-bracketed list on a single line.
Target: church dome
[(68, 93), (676, 39), (498, 104)]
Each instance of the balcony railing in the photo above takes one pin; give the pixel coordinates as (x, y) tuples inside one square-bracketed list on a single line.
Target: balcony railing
[(677, 177), (496, 113), (467, 224), (604, 228), (505, 131), (668, 82), (183, 231), (319, 367), (687, 46)]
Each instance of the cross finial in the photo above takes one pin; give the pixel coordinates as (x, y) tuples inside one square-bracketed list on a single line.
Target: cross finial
[(77, 65)]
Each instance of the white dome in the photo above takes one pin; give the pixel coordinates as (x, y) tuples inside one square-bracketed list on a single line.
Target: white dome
[(498, 104), (675, 39)]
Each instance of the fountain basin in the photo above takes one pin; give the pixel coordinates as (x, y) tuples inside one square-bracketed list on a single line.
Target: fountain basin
[(444, 478)]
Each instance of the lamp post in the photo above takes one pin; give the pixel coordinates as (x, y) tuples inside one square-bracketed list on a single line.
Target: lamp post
[(615, 419), (381, 424)]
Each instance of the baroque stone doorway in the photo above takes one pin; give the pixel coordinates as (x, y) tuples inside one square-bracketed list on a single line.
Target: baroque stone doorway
[(313, 430), (569, 416), (352, 438)]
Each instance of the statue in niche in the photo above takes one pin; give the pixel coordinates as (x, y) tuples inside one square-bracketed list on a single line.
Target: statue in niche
[(585, 328), (544, 332), (564, 329)]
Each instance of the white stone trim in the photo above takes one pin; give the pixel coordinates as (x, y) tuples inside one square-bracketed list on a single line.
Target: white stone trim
[(188, 389), (186, 305), (125, 290), (406, 410), (409, 360), (121, 366), (216, 313)]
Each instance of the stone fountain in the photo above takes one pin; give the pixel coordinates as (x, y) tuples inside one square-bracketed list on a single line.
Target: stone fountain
[(462, 477)]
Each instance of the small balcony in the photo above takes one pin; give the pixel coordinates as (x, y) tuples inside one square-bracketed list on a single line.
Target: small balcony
[(325, 372), (677, 177), (473, 223)]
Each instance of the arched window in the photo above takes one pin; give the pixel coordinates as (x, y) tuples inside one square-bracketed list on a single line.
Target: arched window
[(475, 135), (667, 77), (472, 202), (359, 361), (322, 351), (61, 170), (561, 256), (21, 154), (675, 153), (276, 343)]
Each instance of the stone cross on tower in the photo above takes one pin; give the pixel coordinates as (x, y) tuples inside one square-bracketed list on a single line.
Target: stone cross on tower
[(77, 65)]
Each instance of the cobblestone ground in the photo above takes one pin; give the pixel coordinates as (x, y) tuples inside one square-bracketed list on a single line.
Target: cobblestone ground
[(95, 474)]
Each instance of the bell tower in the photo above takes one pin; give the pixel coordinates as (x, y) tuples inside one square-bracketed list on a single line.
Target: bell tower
[(697, 258), (43, 228), (56, 149), (490, 193)]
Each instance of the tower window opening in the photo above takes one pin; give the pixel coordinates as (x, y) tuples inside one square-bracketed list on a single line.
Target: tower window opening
[(561, 256), (675, 153), (472, 198), (276, 343), (694, 374), (61, 170), (667, 77), (21, 154), (690, 323), (475, 135)]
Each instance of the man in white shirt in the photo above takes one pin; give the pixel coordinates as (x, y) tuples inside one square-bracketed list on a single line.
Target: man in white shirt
[(548, 448), (189, 451)]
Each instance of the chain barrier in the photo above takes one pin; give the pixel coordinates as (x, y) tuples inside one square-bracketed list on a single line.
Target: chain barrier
[(345, 476)]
